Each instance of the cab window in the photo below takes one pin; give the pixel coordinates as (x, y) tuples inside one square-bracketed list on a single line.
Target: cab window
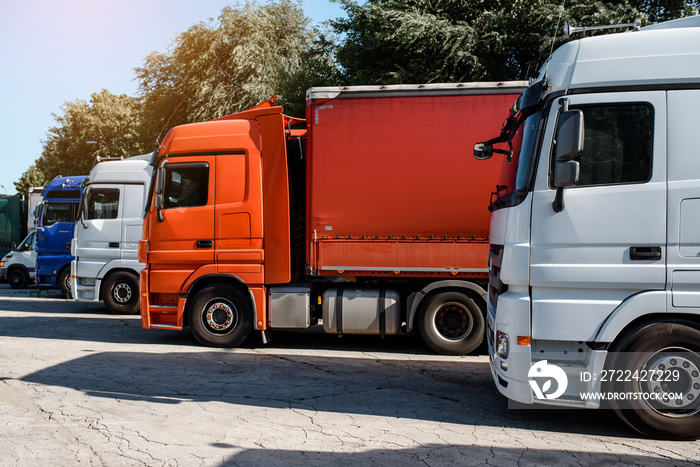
[(617, 146), (186, 185), (103, 203)]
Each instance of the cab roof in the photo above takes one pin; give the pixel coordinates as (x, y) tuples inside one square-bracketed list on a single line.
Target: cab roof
[(663, 54)]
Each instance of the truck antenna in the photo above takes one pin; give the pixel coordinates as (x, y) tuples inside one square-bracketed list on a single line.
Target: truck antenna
[(554, 39)]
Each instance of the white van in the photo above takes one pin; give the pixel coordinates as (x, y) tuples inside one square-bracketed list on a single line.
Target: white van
[(107, 234), (18, 267), (594, 261)]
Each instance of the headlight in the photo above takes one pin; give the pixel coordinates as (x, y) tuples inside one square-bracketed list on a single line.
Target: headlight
[(502, 344)]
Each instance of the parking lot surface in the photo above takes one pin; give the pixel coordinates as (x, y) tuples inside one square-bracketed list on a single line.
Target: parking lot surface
[(79, 386)]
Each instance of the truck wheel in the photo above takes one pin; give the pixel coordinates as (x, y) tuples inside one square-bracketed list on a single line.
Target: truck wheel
[(451, 323), (18, 279), (660, 359), (63, 281), (121, 293), (221, 316)]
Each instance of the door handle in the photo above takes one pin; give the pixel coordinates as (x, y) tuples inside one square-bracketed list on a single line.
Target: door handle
[(204, 243), (645, 253)]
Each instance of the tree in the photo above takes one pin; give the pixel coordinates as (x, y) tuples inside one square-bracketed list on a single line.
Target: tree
[(251, 54), (30, 178), (107, 126), (665, 10), (414, 41)]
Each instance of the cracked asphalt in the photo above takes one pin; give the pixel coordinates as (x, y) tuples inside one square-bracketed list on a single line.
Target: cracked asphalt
[(79, 386)]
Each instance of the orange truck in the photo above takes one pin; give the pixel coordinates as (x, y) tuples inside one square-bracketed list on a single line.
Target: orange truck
[(372, 220)]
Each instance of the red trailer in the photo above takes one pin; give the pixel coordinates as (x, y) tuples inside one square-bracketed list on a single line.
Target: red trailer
[(373, 220)]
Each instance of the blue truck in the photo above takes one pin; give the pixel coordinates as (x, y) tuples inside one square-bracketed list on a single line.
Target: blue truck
[(55, 225)]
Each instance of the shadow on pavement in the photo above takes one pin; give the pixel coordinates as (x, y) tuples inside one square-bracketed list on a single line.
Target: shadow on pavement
[(462, 455), (459, 392)]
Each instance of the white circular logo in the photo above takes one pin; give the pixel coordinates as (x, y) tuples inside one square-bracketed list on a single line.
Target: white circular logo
[(546, 373)]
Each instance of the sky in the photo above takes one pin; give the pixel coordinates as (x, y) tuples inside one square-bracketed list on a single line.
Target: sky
[(54, 51)]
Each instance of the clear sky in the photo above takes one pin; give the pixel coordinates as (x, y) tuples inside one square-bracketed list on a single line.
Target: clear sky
[(53, 51)]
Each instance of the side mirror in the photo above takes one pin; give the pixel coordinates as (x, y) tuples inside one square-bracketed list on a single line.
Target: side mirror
[(569, 136), (566, 174), (82, 211), (13, 246), (160, 181), (159, 202), (568, 145), (483, 151), (160, 189)]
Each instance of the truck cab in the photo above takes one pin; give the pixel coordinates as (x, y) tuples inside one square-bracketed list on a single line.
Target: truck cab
[(594, 239), (105, 243), (55, 223)]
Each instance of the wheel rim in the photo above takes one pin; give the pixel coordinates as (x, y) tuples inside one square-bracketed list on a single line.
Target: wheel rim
[(15, 279), (453, 321), (66, 282), (679, 371), (122, 293), (220, 316)]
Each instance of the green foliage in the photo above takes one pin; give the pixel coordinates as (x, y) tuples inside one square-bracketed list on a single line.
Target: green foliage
[(413, 41), (425, 41), (251, 54), (111, 122), (30, 178), (665, 10)]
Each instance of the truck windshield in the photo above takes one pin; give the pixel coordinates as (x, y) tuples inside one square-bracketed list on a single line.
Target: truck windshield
[(516, 168), (58, 212)]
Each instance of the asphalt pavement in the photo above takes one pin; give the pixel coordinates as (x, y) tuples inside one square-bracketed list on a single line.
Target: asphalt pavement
[(79, 386)]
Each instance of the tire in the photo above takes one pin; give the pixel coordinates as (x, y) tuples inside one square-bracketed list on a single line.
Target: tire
[(18, 279), (121, 293), (451, 323), (63, 281), (660, 349), (221, 316)]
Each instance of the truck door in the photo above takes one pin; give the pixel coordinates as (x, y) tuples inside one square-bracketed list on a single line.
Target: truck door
[(99, 222), (609, 241), (683, 201), (239, 217), (181, 236), (132, 220)]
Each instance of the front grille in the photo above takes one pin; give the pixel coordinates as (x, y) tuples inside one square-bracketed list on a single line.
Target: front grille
[(496, 287)]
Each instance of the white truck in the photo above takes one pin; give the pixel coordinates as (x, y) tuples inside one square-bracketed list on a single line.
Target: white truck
[(107, 234), (594, 294)]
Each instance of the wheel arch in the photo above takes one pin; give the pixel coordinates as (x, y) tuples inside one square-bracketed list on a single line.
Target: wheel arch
[(636, 312), (14, 267), (192, 288), (113, 270), (653, 318), (417, 299)]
